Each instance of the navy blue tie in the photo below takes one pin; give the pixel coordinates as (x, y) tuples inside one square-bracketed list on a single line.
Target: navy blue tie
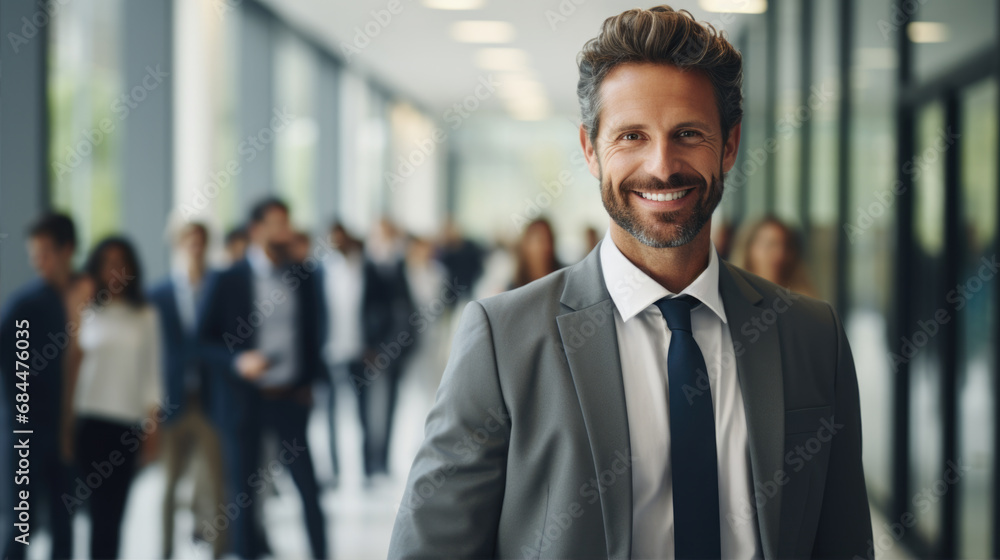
[(693, 459)]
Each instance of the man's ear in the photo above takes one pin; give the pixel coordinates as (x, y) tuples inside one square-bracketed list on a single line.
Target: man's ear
[(730, 150), (590, 153)]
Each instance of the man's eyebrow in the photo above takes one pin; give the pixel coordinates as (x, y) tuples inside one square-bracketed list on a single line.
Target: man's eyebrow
[(694, 124), (616, 129)]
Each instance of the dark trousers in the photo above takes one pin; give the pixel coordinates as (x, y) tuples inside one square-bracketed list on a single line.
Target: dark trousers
[(248, 479), (376, 391), (108, 466), (335, 372), (49, 480)]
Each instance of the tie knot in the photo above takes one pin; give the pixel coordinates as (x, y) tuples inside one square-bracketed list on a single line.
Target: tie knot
[(677, 311)]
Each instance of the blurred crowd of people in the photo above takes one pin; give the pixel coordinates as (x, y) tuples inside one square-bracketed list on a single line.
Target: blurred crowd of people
[(211, 370)]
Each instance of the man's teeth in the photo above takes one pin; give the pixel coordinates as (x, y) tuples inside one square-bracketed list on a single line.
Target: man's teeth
[(661, 197)]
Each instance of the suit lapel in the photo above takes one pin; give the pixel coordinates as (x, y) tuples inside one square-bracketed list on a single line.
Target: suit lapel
[(242, 296), (591, 345), (758, 365), (171, 309)]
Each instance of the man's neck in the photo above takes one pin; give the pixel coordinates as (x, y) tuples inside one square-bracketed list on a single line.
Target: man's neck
[(268, 253), (674, 268), (195, 272)]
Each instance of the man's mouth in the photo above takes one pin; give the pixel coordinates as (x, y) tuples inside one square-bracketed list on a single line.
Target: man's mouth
[(663, 197)]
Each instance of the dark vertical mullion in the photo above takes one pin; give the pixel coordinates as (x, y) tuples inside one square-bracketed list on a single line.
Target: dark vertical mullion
[(953, 255), (771, 104), (902, 291), (845, 34), (806, 68)]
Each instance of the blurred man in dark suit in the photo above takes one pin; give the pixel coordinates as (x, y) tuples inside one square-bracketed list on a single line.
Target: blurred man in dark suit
[(36, 314), (388, 339), (262, 327)]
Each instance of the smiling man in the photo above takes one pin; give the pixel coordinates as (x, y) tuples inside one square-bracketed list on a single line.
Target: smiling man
[(652, 401)]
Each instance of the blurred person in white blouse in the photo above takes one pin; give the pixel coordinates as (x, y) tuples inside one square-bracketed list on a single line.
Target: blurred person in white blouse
[(116, 391)]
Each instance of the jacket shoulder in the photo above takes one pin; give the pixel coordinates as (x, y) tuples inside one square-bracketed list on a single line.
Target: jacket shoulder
[(229, 275), (160, 290), (536, 299), (792, 307)]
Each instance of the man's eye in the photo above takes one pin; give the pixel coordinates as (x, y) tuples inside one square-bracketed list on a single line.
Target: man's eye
[(689, 134), (630, 136)]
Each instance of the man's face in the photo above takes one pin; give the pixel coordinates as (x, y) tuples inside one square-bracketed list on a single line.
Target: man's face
[(274, 231), (47, 258), (659, 152), (340, 240), (193, 243)]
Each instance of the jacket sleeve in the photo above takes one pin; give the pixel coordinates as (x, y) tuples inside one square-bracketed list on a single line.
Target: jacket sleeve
[(9, 315), (213, 346), (845, 527), (451, 506)]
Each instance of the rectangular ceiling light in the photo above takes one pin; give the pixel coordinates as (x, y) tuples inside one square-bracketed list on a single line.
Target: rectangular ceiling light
[(482, 32), (734, 6), (927, 32), (454, 4)]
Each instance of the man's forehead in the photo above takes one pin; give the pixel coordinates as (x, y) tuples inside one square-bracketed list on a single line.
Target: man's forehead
[(657, 93)]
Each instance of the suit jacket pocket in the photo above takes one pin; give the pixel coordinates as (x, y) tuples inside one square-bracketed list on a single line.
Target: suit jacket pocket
[(807, 420)]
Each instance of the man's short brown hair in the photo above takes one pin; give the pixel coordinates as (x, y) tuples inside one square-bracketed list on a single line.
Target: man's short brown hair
[(664, 36)]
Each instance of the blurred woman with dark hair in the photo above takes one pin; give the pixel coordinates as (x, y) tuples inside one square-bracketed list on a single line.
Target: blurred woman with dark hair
[(116, 391), (770, 249), (536, 253)]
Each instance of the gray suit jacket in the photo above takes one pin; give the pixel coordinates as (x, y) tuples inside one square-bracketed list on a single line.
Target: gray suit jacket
[(527, 446)]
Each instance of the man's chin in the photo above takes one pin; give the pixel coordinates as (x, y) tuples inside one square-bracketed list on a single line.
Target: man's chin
[(660, 235)]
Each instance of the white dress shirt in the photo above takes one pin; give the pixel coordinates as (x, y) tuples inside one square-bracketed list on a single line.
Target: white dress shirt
[(277, 304), (119, 378), (344, 287), (643, 339)]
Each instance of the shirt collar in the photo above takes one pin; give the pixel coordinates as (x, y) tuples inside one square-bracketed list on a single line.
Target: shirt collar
[(181, 278), (633, 291), (259, 262)]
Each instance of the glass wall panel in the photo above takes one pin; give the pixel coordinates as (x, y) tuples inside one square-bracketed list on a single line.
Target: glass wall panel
[(869, 228), (364, 139), (295, 144), (413, 179), (920, 346), (207, 164), (87, 107), (790, 113), (748, 176), (975, 305), (823, 172)]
